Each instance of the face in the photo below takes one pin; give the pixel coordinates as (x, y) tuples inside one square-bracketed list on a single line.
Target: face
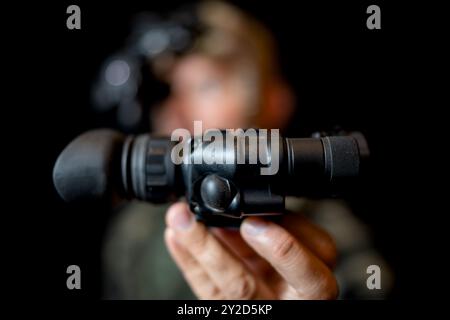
[(203, 90)]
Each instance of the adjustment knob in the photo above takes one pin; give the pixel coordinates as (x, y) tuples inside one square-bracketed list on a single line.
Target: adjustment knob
[(216, 193)]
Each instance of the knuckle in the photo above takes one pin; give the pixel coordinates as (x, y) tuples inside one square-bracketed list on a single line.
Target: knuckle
[(243, 287), (212, 292), (284, 248), (193, 272), (214, 260)]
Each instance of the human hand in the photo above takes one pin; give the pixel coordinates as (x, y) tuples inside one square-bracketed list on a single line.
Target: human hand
[(262, 260)]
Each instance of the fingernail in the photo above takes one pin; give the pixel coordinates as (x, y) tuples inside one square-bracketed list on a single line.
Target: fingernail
[(180, 219), (254, 227)]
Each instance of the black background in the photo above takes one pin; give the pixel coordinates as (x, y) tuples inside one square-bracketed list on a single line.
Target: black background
[(342, 73)]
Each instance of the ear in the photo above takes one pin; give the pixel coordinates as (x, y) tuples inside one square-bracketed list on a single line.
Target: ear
[(278, 105)]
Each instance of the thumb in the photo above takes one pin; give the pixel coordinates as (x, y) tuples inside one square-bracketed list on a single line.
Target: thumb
[(292, 259)]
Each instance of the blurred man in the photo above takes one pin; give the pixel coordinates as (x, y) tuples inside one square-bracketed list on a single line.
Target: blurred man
[(228, 79)]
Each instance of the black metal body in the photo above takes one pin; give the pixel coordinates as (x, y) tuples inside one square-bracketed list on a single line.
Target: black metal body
[(219, 192)]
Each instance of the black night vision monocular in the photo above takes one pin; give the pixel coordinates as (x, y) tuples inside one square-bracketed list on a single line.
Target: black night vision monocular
[(221, 184)]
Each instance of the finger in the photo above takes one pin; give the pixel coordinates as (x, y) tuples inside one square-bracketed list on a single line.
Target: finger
[(233, 241), (311, 235), (301, 269), (231, 276), (199, 281), (314, 237)]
